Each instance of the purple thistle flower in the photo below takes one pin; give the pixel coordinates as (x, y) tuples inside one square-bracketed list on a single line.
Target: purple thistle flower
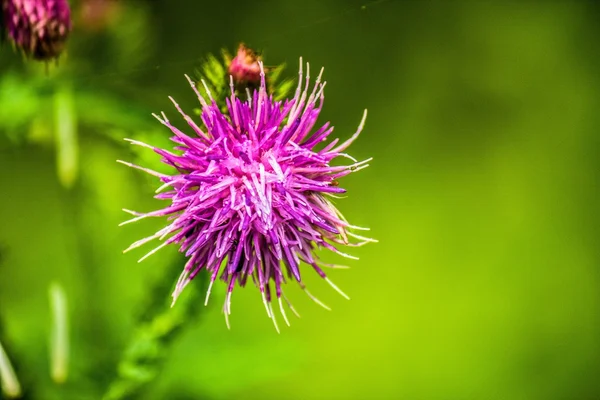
[(250, 197), (39, 28)]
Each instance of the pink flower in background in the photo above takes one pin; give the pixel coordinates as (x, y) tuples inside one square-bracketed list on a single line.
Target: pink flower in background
[(39, 28)]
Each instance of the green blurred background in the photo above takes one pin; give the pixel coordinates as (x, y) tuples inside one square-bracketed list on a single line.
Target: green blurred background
[(484, 128)]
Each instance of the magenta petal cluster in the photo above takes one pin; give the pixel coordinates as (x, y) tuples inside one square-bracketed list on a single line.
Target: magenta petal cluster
[(251, 198), (39, 28)]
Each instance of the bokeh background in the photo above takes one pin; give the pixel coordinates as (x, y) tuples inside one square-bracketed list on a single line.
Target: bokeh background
[(484, 127)]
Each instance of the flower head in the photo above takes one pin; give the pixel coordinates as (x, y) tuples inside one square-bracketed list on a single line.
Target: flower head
[(250, 198), (244, 66), (39, 28)]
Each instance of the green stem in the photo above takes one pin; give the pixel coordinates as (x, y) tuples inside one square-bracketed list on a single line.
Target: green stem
[(15, 379), (8, 378), (157, 328), (65, 126), (59, 340)]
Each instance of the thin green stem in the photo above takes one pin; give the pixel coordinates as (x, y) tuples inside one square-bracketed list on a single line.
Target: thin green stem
[(157, 328), (59, 340), (8, 378)]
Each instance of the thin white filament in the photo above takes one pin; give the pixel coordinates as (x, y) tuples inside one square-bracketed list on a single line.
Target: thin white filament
[(264, 298), (274, 319), (146, 240), (193, 85), (210, 285), (366, 239), (333, 266), (226, 317), (283, 312), (153, 251), (289, 304), (347, 255), (181, 284), (337, 289), (147, 170), (316, 300)]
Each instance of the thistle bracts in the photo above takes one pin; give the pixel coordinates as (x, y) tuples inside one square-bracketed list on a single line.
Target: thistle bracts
[(244, 69)]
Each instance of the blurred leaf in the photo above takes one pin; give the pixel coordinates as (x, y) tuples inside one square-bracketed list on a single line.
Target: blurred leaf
[(117, 119), (19, 104), (132, 37)]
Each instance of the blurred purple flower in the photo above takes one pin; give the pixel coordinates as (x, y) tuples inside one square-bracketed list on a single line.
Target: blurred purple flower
[(250, 199), (39, 28)]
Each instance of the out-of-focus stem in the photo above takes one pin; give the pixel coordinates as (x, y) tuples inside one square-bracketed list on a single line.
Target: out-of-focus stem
[(65, 133), (59, 340), (8, 379), (158, 326)]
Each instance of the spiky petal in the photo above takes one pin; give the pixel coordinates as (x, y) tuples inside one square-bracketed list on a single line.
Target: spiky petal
[(250, 196)]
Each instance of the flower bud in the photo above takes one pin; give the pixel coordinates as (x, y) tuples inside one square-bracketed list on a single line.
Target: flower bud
[(244, 67)]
